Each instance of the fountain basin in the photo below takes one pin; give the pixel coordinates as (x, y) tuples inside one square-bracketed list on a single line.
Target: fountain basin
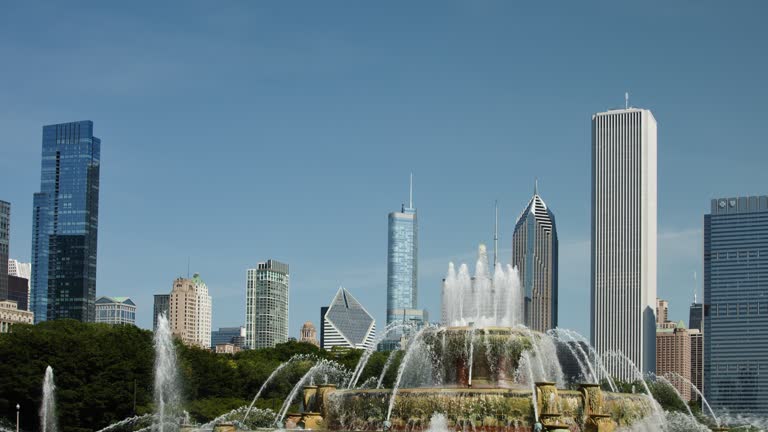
[(490, 409)]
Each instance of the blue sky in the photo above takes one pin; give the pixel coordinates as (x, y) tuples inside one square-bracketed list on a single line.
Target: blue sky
[(245, 131)]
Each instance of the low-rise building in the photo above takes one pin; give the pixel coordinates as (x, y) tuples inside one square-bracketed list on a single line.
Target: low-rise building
[(227, 348), (115, 310), (10, 314), (228, 335)]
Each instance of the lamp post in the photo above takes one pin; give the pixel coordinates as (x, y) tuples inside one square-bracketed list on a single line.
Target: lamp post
[(18, 407)]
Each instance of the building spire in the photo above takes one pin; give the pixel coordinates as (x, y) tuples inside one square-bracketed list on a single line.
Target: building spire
[(535, 185), (410, 196), (496, 235)]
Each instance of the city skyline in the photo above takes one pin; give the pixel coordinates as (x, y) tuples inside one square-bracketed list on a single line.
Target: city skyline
[(473, 122)]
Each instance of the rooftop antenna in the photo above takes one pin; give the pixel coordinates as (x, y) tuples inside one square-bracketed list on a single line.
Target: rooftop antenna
[(187, 266), (626, 100), (496, 235), (695, 288), (410, 200), (535, 185)]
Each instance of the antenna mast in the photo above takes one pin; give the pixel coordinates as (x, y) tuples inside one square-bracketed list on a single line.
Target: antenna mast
[(410, 199), (626, 100)]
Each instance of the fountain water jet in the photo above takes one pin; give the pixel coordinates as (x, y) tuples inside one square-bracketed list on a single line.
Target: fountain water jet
[(167, 388), (48, 408), (401, 369), (698, 392), (271, 377)]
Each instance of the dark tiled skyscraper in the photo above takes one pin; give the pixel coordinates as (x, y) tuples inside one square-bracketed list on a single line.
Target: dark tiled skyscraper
[(65, 224), (736, 305)]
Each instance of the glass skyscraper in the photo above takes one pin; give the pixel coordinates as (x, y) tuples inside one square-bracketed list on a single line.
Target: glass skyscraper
[(736, 305), (534, 253), (402, 265), (65, 224), (266, 305)]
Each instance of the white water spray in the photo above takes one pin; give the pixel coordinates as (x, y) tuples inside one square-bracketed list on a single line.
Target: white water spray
[(48, 421), (167, 388)]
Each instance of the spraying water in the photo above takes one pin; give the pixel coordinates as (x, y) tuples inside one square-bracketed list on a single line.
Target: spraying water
[(167, 388), (485, 300), (677, 392), (48, 409), (408, 354), (271, 377), (698, 392), (390, 360), (358, 372), (525, 370)]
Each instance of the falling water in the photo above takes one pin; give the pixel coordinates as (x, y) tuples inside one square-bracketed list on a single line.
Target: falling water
[(484, 300), (598, 360), (677, 392), (698, 392), (438, 423), (330, 370), (408, 353), (471, 356), (387, 364), (48, 409), (132, 421), (525, 368), (639, 376), (272, 376), (167, 388), (585, 368), (369, 351)]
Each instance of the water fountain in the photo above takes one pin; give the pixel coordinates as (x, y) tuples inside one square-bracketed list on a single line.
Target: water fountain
[(48, 421), (167, 389)]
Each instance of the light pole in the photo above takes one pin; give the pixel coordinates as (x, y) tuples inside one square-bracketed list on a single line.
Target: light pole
[(18, 407)]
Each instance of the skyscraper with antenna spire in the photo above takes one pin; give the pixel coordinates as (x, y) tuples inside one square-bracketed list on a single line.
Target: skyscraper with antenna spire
[(402, 264), (534, 253)]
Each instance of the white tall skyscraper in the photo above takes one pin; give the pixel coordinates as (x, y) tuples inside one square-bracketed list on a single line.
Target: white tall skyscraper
[(266, 305), (623, 273)]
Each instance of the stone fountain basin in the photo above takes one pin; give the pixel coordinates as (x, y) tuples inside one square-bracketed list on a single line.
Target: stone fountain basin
[(487, 408)]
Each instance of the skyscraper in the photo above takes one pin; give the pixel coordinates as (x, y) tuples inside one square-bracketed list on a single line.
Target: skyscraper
[(190, 311), (266, 305), (696, 315), (18, 283), (347, 323), (5, 236), (161, 306), (736, 305), (673, 356), (402, 264), (623, 240), (534, 253), (65, 220)]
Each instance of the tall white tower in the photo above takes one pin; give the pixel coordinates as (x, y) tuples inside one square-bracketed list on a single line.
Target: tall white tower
[(623, 273)]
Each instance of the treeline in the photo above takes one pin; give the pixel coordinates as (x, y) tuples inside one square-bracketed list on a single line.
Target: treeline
[(104, 374)]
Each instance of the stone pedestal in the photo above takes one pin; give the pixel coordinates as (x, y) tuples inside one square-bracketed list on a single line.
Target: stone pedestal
[(546, 399), (592, 398), (599, 423), (311, 420), (310, 398), (224, 427), (324, 391)]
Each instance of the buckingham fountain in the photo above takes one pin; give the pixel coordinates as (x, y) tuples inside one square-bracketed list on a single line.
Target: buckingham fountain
[(481, 371)]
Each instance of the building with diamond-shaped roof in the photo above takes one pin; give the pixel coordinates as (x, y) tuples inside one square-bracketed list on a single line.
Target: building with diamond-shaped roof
[(346, 323)]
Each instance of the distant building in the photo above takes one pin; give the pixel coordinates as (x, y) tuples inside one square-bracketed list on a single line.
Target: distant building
[(623, 239), (347, 324), (662, 315), (736, 306), (673, 356), (161, 306), (227, 348), (228, 335), (190, 311), (266, 305), (65, 221), (534, 253), (697, 361), (309, 334), (115, 310), (10, 315), (696, 317), (5, 238), (403, 264), (18, 283)]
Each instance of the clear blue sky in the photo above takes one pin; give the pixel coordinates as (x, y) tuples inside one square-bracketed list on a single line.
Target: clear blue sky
[(240, 132)]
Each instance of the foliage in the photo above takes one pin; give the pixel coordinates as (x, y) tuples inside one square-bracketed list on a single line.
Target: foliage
[(99, 368)]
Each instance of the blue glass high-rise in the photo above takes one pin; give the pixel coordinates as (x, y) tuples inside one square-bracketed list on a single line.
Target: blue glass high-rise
[(736, 305), (402, 266), (65, 224)]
